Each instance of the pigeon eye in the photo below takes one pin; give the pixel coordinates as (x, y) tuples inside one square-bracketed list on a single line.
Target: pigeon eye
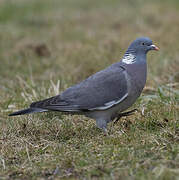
[(143, 43)]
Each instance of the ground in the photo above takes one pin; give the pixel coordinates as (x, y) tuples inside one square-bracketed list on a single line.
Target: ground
[(47, 46)]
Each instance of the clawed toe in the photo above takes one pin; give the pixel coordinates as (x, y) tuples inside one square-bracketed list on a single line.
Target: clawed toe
[(105, 131), (128, 113)]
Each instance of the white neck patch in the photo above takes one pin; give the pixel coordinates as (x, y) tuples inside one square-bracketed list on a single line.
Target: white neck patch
[(128, 59)]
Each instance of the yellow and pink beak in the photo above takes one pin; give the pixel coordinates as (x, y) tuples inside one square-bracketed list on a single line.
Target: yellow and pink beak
[(154, 47)]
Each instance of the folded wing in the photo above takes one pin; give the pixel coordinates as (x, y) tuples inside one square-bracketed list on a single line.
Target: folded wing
[(98, 92)]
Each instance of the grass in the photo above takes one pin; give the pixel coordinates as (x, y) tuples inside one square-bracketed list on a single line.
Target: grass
[(46, 46)]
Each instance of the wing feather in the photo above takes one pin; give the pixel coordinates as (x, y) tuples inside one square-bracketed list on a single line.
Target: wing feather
[(98, 92)]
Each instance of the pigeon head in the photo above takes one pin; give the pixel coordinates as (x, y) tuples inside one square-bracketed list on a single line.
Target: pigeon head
[(142, 45), (138, 50)]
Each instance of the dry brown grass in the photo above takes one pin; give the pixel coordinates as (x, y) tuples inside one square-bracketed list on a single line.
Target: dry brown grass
[(47, 46)]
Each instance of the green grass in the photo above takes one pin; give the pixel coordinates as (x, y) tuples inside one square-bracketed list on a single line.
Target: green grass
[(46, 46)]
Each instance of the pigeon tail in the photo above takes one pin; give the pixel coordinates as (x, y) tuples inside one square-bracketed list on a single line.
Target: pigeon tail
[(27, 111)]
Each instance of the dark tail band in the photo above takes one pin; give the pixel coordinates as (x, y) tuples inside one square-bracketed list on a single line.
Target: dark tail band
[(27, 111)]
